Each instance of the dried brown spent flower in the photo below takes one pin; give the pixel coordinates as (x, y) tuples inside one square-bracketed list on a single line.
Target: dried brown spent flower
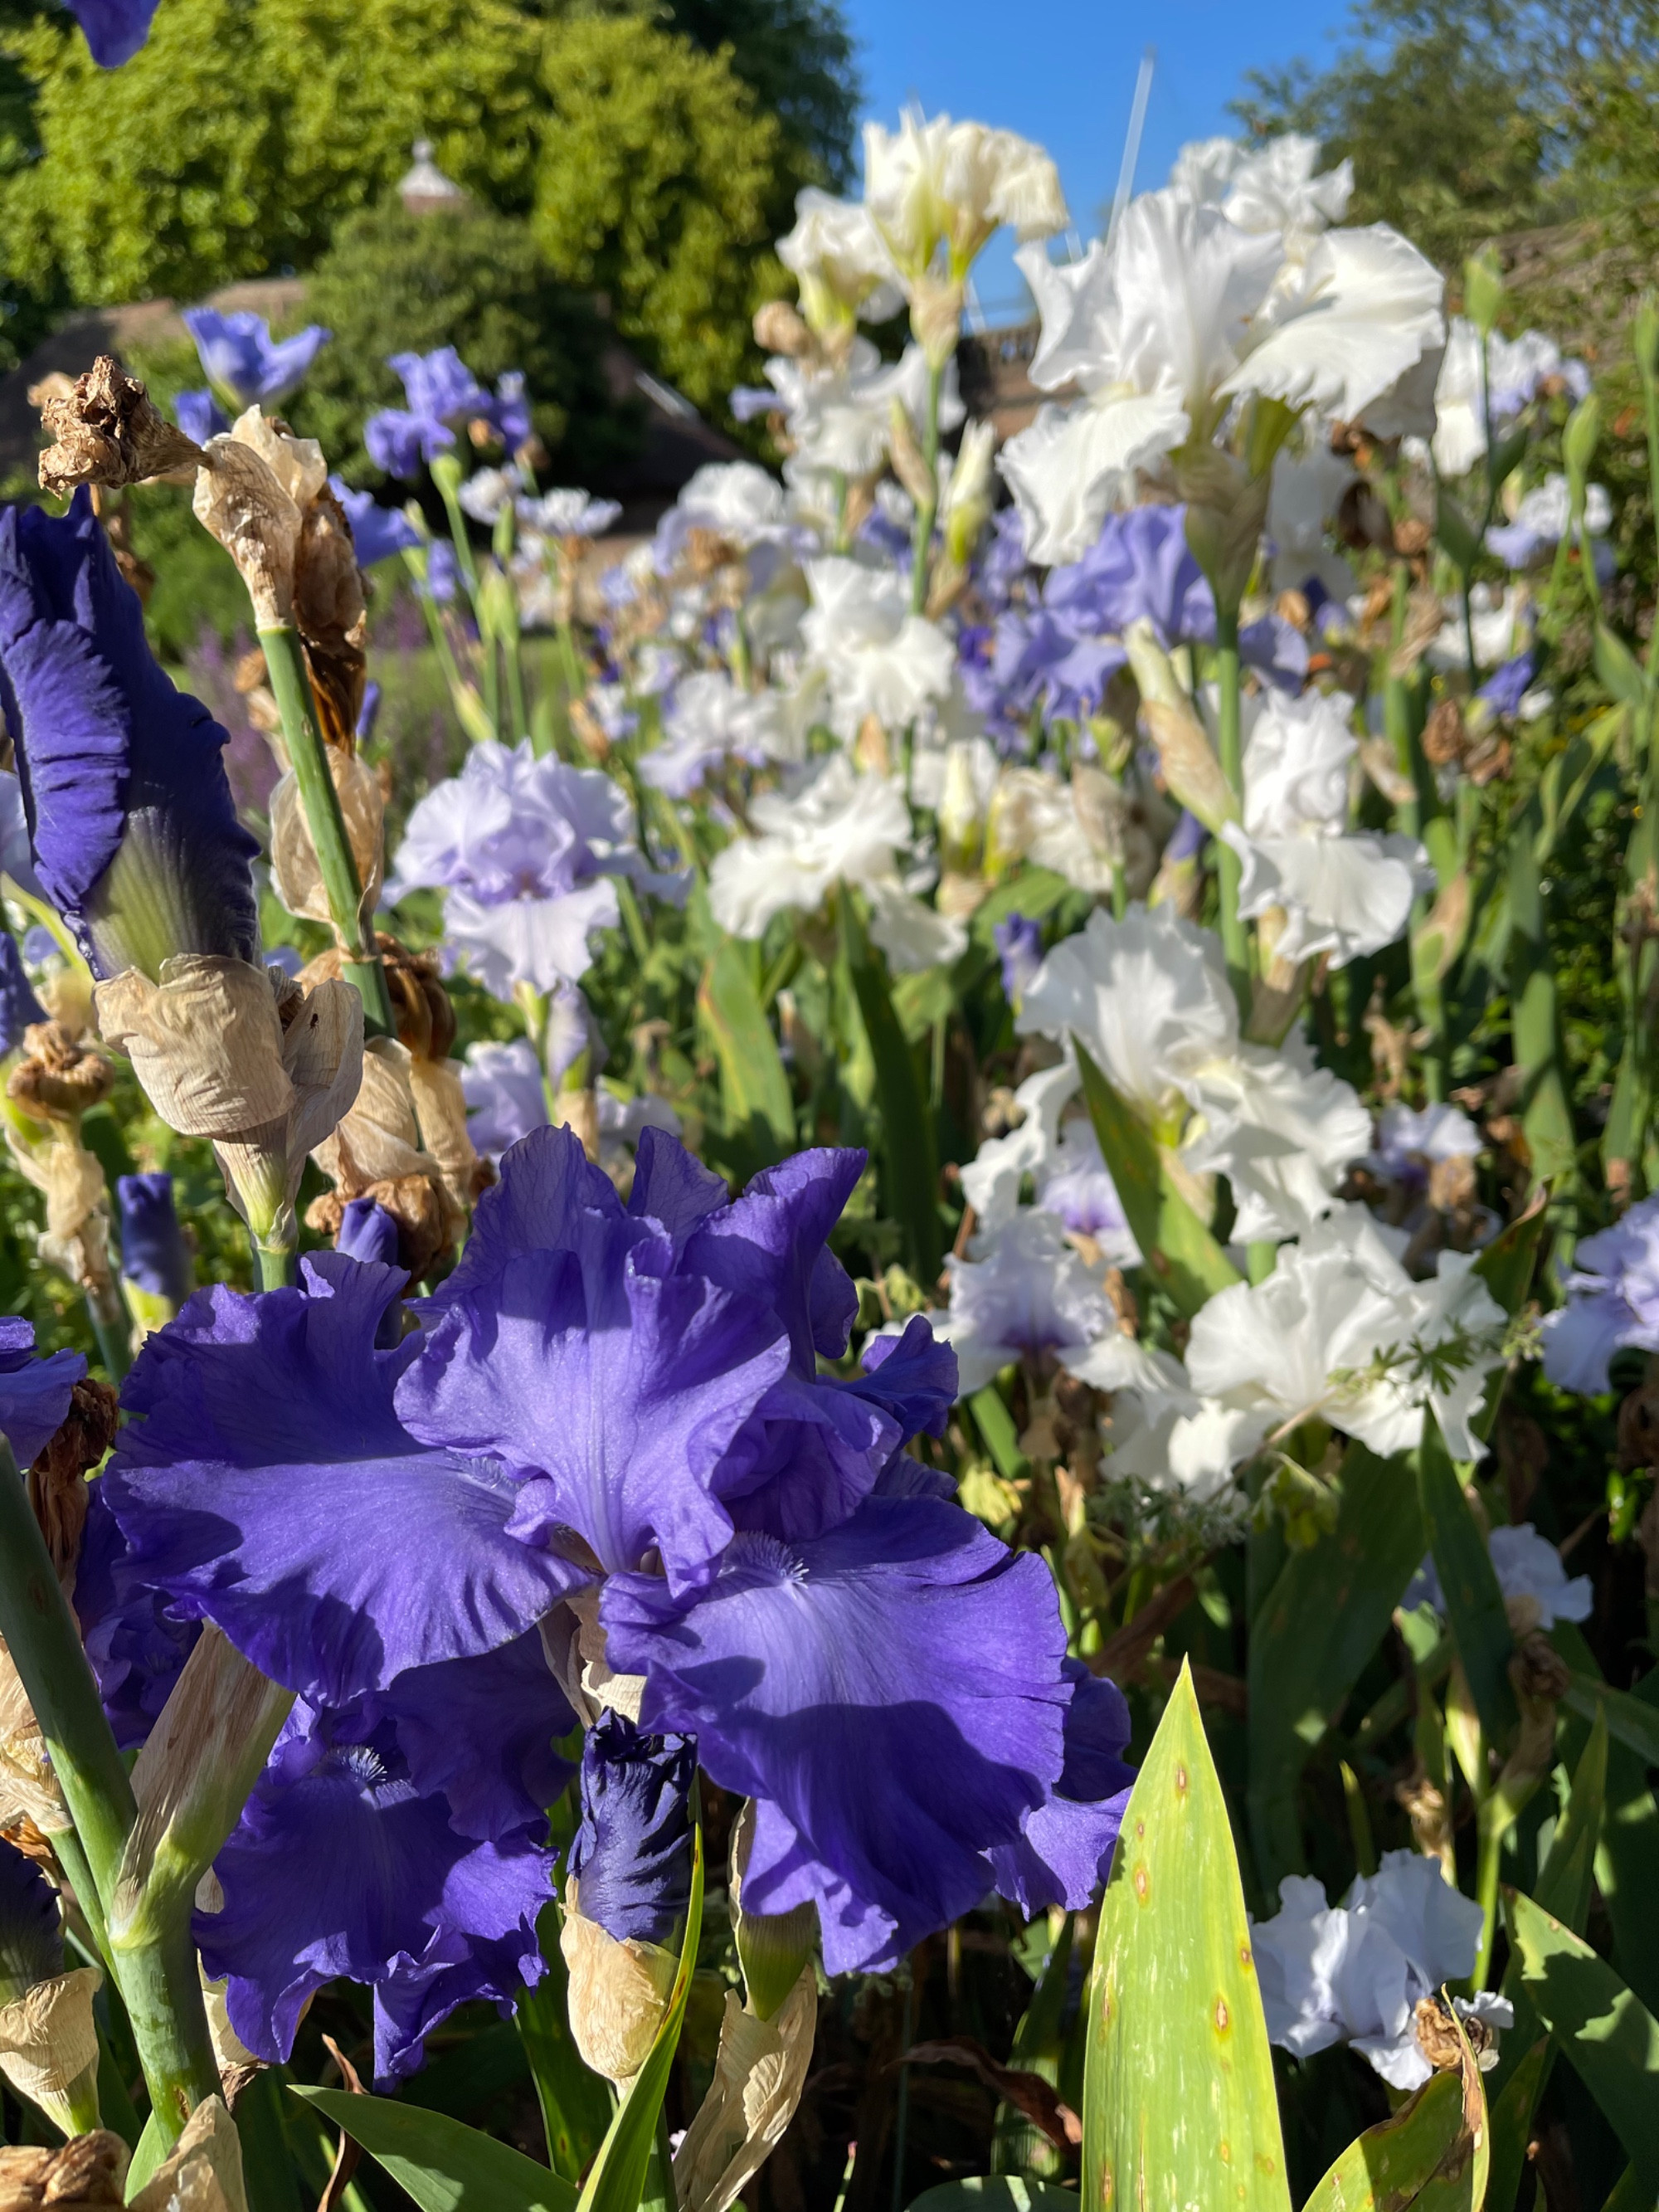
[(1443, 733), (58, 1480), (779, 328), (331, 616), (1410, 538), (58, 1079), (109, 431), (89, 2171), (296, 874), (1438, 2037)]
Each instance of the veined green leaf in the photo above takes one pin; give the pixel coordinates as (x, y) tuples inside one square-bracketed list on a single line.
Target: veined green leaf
[(1618, 667), (1325, 1615), (1431, 2152), (576, 2104), (1609, 2035), (1475, 1604), (1512, 2108), (1506, 1266), (994, 2192), (754, 1100), (1178, 1249), (1631, 1720), (1179, 2106), (616, 2181), (909, 1168), (444, 2165)]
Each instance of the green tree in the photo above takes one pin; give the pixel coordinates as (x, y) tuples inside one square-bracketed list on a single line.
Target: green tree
[(1440, 106), (796, 57), (663, 184), (474, 280), (235, 143)]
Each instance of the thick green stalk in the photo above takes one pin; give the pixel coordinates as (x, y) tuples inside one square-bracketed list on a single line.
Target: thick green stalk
[(927, 510), (1235, 936), (279, 1266), (159, 1982), (291, 687), (112, 1327)]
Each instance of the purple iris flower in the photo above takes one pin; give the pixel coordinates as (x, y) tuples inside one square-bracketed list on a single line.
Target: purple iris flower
[(199, 415), (154, 1253), (257, 1490), (1066, 1848), (134, 831), (370, 712), (377, 532), (442, 391), (18, 1007), (1000, 562), (1612, 1302), (528, 850), (620, 1396), (246, 365), (632, 1852), (1507, 686), (398, 1842), (509, 411), (1062, 653), (115, 29), (890, 1695), (34, 1393)]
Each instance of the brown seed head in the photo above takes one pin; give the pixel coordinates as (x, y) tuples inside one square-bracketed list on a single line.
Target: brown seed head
[(108, 431), (58, 1080)]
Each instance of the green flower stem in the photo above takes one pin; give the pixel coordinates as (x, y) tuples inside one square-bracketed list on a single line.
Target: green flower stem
[(158, 1982), (279, 1266), (517, 705), (1235, 936), (291, 685), (928, 508), (112, 1327)]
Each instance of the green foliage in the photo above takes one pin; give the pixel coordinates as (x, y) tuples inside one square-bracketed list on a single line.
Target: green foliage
[(392, 282), (247, 130), (445, 2167), (662, 184), (1433, 102), (1179, 2107), (796, 56)]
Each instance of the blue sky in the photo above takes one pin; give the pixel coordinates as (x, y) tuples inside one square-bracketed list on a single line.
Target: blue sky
[(1063, 72)]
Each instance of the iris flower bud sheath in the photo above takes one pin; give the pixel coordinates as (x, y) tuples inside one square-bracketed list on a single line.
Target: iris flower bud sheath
[(48, 2042), (630, 1880)]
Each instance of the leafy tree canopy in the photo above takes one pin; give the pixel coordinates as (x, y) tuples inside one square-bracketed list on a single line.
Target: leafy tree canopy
[(1467, 119), (661, 184), (248, 131)]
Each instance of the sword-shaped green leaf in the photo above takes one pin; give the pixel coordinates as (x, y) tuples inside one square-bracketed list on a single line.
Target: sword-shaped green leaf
[(1431, 2153), (755, 1101), (444, 2165), (1474, 1604), (1179, 2107), (1609, 2035), (1178, 1249)]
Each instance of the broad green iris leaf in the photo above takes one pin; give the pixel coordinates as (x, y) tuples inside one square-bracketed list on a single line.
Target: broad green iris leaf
[(994, 2192), (1324, 1617), (909, 1167), (757, 1108), (1178, 1249), (1475, 1604), (615, 2182), (1179, 2107), (1606, 2032), (444, 2165)]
